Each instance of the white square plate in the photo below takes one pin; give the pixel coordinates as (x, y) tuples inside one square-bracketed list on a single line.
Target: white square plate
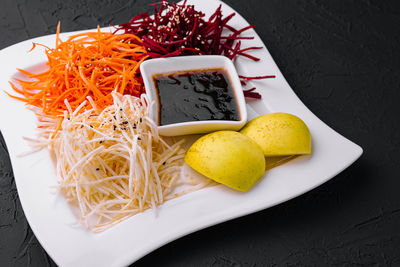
[(51, 218)]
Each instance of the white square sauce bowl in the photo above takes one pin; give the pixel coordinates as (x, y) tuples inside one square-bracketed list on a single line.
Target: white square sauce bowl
[(165, 66)]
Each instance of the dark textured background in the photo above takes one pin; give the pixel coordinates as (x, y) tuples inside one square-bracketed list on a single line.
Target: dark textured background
[(342, 58)]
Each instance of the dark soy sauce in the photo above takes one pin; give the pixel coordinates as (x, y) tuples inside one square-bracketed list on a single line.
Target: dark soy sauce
[(195, 96)]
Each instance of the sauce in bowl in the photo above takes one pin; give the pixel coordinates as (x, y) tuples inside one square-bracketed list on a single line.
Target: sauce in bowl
[(195, 95)]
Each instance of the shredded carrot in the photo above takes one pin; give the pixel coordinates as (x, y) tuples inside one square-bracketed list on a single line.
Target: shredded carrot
[(87, 64)]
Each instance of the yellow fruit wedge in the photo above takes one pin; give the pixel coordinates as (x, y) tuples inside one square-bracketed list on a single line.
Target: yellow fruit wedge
[(229, 158), (279, 134)]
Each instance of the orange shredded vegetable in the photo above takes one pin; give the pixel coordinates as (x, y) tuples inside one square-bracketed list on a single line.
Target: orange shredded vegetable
[(87, 64)]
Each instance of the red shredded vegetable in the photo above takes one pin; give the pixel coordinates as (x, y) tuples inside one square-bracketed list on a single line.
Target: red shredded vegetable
[(250, 92), (182, 30), (179, 29)]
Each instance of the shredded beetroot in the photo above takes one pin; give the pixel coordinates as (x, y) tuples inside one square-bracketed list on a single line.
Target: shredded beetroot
[(182, 30), (256, 77), (250, 92), (179, 30)]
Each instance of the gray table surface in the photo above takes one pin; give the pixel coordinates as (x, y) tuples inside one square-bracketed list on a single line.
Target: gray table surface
[(342, 59)]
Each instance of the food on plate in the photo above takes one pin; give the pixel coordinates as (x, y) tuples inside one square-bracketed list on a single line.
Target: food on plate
[(112, 164), (195, 95), (244, 80), (237, 159), (86, 64), (229, 158), (180, 30), (279, 134), (93, 114)]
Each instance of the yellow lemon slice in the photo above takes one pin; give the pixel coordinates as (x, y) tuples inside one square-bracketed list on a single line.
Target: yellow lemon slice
[(229, 158), (279, 134)]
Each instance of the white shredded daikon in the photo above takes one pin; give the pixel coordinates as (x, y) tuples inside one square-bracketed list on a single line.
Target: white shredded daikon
[(113, 164)]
